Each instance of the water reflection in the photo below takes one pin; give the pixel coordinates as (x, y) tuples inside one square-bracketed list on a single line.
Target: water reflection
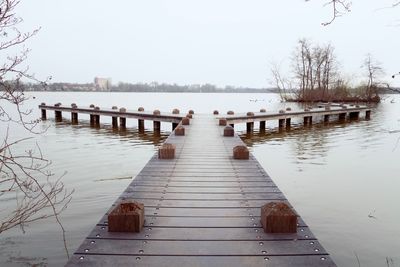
[(148, 136), (308, 144)]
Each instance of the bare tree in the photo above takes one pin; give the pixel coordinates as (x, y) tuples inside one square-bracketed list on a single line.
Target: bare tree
[(315, 69), (283, 84), (24, 176), (374, 71)]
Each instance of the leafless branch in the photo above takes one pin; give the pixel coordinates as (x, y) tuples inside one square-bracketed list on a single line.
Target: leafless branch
[(339, 7), (24, 176)]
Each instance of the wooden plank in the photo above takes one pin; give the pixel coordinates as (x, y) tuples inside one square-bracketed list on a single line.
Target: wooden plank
[(209, 261), (201, 248), (182, 233)]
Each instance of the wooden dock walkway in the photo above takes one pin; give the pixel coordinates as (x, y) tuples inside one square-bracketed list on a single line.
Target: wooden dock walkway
[(201, 209)]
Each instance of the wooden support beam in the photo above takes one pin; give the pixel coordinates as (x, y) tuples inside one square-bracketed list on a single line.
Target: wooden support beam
[(174, 125), (74, 117), (97, 120), (91, 119), (368, 114), (44, 115), (141, 125), (58, 115), (250, 127), (262, 126), (354, 115), (281, 123), (115, 122), (288, 123), (122, 122), (307, 120), (342, 116), (156, 126), (326, 118)]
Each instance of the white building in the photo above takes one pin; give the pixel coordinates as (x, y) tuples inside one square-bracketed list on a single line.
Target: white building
[(102, 84)]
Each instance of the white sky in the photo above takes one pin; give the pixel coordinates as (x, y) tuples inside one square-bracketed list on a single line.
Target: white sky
[(224, 42)]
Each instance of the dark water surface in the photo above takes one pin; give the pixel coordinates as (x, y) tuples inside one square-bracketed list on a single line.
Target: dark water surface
[(335, 175)]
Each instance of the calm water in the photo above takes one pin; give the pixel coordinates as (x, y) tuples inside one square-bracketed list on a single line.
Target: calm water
[(335, 175)]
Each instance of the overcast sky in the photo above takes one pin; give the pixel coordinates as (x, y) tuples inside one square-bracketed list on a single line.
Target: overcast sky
[(224, 42)]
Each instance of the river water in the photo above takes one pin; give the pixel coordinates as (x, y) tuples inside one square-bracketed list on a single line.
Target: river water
[(343, 178)]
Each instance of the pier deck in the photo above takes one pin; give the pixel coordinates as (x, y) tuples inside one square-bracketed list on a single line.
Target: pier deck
[(201, 209)]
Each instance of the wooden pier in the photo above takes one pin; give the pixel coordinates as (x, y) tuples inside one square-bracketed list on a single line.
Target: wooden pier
[(203, 207), (284, 117), (122, 114)]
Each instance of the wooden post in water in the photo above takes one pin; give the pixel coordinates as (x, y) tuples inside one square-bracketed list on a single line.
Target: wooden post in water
[(114, 122), (122, 120), (281, 123), (97, 120), (96, 117), (58, 115), (44, 115), (250, 127), (288, 123), (156, 126), (91, 119), (326, 118), (74, 117), (307, 120), (114, 119), (262, 126), (368, 114), (141, 125), (354, 115), (342, 116)]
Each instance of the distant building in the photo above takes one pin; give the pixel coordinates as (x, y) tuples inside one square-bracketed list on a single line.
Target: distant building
[(102, 84)]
